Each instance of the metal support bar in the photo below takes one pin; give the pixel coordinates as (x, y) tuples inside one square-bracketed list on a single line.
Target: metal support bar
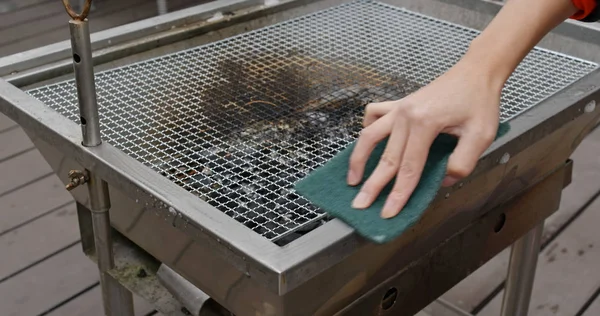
[(84, 77), (162, 7), (117, 300), (521, 273), (195, 301)]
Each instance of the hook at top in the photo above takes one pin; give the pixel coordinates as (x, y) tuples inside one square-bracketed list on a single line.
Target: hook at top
[(73, 14)]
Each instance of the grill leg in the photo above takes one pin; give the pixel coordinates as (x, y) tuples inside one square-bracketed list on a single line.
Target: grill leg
[(117, 300), (521, 273), (162, 6), (96, 241)]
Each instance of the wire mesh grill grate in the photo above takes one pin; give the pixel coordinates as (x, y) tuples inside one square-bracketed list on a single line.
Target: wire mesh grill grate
[(238, 121)]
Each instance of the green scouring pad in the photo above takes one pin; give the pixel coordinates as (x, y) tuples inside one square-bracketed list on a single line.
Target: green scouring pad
[(326, 187)]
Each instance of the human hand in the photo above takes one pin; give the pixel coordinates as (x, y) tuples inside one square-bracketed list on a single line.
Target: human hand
[(463, 102)]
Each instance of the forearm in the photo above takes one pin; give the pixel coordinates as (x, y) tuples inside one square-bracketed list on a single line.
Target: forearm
[(517, 28)]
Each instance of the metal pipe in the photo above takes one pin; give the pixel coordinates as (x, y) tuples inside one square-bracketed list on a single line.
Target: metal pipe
[(99, 206), (117, 300), (84, 76), (192, 298), (162, 7), (521, 273)]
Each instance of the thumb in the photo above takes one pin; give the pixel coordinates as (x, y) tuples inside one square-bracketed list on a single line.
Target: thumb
[(469, 149)]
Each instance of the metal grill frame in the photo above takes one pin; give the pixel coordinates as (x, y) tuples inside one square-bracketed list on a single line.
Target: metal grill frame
[(144, 112), (277, 269)]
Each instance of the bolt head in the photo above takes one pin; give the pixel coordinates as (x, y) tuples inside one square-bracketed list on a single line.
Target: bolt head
[(590, 107)]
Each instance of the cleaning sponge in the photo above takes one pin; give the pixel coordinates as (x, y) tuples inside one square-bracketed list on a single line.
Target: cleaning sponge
[(326, 187)]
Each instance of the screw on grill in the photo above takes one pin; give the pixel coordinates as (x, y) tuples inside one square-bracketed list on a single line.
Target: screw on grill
[(76, 178)]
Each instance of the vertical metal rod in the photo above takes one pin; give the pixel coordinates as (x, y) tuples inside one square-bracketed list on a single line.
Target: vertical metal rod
[(162, 6), (521, 273), (84, 78), (117, 300)]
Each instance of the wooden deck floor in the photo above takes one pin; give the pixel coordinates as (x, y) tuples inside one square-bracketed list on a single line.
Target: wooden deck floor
[(44, 272)]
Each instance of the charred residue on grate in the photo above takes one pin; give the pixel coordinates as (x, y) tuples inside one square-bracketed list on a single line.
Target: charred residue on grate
[(285, 89), (260, 87), (265, 122)]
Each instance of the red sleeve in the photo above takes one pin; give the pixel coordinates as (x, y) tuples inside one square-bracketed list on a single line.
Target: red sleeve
[(585, 8)]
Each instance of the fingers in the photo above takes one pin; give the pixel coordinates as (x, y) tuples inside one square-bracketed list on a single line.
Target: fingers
[(377, 126), (365, 144), (386, 168), (410, 170), (374, 111), (469, 149)]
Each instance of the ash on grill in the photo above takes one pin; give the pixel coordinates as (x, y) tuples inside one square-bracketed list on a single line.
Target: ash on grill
[(262, 129)]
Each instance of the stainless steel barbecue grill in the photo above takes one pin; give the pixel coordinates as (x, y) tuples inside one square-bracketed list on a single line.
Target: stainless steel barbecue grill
[(238, 121), (203, 145)]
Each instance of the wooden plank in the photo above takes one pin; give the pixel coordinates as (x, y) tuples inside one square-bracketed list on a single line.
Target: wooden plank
[(21, 170), (36, 27), (44, 285), (90, 304), (13, 142), (472, 291), (47, 38), (86, 304), (18, 207), (43, 237), (567, 273), (13, 6), (105, 18), (30, 13), (6, 123), (594, 309)]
